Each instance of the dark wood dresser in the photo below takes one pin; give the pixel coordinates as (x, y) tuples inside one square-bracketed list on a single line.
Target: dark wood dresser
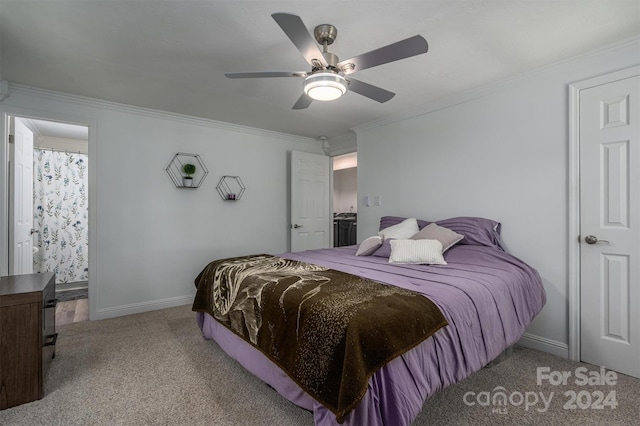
[(27, 336)]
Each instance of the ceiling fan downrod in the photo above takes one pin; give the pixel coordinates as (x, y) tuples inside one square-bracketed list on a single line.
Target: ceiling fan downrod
[(325, 35)]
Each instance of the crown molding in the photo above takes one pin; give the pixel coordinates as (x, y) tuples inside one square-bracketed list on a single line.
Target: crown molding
[(487, 89), (19, 89), (343, 144), (4, 89)]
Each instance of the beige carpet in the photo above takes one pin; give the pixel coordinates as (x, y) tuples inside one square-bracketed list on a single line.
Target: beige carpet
[(155, 369)]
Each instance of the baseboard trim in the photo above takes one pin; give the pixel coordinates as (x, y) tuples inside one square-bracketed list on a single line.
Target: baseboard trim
[(545, 345), (138, 308), (72, 286)]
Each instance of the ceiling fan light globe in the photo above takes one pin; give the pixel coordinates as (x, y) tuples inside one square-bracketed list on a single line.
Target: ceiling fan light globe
[(325, 86), (324, 93)]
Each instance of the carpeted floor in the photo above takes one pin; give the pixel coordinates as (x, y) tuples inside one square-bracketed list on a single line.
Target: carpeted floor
[(155, 369)]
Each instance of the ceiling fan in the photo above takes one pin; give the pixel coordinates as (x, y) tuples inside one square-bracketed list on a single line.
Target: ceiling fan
[(329, 77)]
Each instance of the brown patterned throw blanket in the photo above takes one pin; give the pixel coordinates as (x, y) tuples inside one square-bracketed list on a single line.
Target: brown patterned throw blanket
[(328, 330)]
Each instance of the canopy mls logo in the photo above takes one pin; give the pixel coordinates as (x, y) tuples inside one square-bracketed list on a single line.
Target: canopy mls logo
[(599, 396), (499, 400)]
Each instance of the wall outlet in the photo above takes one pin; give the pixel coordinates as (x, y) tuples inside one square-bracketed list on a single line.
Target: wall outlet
[(377, 200)]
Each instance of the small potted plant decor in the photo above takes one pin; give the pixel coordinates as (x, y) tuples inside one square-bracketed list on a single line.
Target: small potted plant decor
[(188, 170)]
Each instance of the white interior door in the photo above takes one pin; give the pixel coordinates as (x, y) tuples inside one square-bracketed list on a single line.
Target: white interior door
[(610, 225), (311, 217), (21, 200)]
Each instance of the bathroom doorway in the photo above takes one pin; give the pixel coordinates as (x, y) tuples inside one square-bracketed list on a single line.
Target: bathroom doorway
[(345, 199), (59, 210)]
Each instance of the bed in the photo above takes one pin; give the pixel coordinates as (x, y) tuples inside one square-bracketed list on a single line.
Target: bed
[(487, 296)]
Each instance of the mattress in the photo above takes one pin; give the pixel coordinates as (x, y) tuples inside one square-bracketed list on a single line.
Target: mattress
[(487, 296)]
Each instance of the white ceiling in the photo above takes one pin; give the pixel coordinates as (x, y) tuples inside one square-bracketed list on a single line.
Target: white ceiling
[(53, 129), (172, 55)]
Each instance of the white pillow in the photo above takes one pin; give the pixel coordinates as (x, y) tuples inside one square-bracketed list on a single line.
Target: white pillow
[(368, 246), (403, 230), (417, 251)]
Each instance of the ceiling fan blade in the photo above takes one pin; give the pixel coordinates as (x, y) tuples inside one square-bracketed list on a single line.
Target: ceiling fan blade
[(265, 74), (400, 50), (370, 91), (295, 29), (303, 102)]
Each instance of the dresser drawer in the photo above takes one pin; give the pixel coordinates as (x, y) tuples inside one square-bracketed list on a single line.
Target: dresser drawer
[(20, 354)]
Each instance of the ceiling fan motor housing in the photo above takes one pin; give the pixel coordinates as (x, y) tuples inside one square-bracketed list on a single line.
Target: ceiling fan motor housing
[(332, 60)]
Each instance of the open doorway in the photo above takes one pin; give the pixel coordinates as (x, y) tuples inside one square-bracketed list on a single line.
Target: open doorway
[(345, 199), (56, 201)]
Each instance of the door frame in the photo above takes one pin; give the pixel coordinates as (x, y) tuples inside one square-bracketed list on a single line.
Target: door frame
[(5, 113), (574, 199)]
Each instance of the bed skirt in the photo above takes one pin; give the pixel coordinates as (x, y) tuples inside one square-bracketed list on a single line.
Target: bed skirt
[(381, 406)]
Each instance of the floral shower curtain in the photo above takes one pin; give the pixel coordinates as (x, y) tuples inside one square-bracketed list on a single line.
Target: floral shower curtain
[(60, 215)]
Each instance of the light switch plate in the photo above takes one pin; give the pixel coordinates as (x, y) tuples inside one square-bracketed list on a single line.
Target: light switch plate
[(377, 200)]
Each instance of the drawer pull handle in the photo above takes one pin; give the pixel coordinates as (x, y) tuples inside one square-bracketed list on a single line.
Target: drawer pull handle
[(51, 303), (52, 342)]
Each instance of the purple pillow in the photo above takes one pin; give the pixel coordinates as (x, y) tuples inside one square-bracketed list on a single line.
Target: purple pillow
[(387, 221), (384, 250), (476, 230)]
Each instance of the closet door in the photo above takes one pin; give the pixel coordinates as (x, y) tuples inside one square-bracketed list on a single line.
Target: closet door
[(610, 225)]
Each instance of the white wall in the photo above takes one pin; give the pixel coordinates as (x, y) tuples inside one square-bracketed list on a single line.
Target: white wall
[(500, 153), (149, 239), (345, 190)]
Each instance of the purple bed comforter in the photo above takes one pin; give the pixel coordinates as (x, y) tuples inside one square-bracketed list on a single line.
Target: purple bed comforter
[(487, 296)]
